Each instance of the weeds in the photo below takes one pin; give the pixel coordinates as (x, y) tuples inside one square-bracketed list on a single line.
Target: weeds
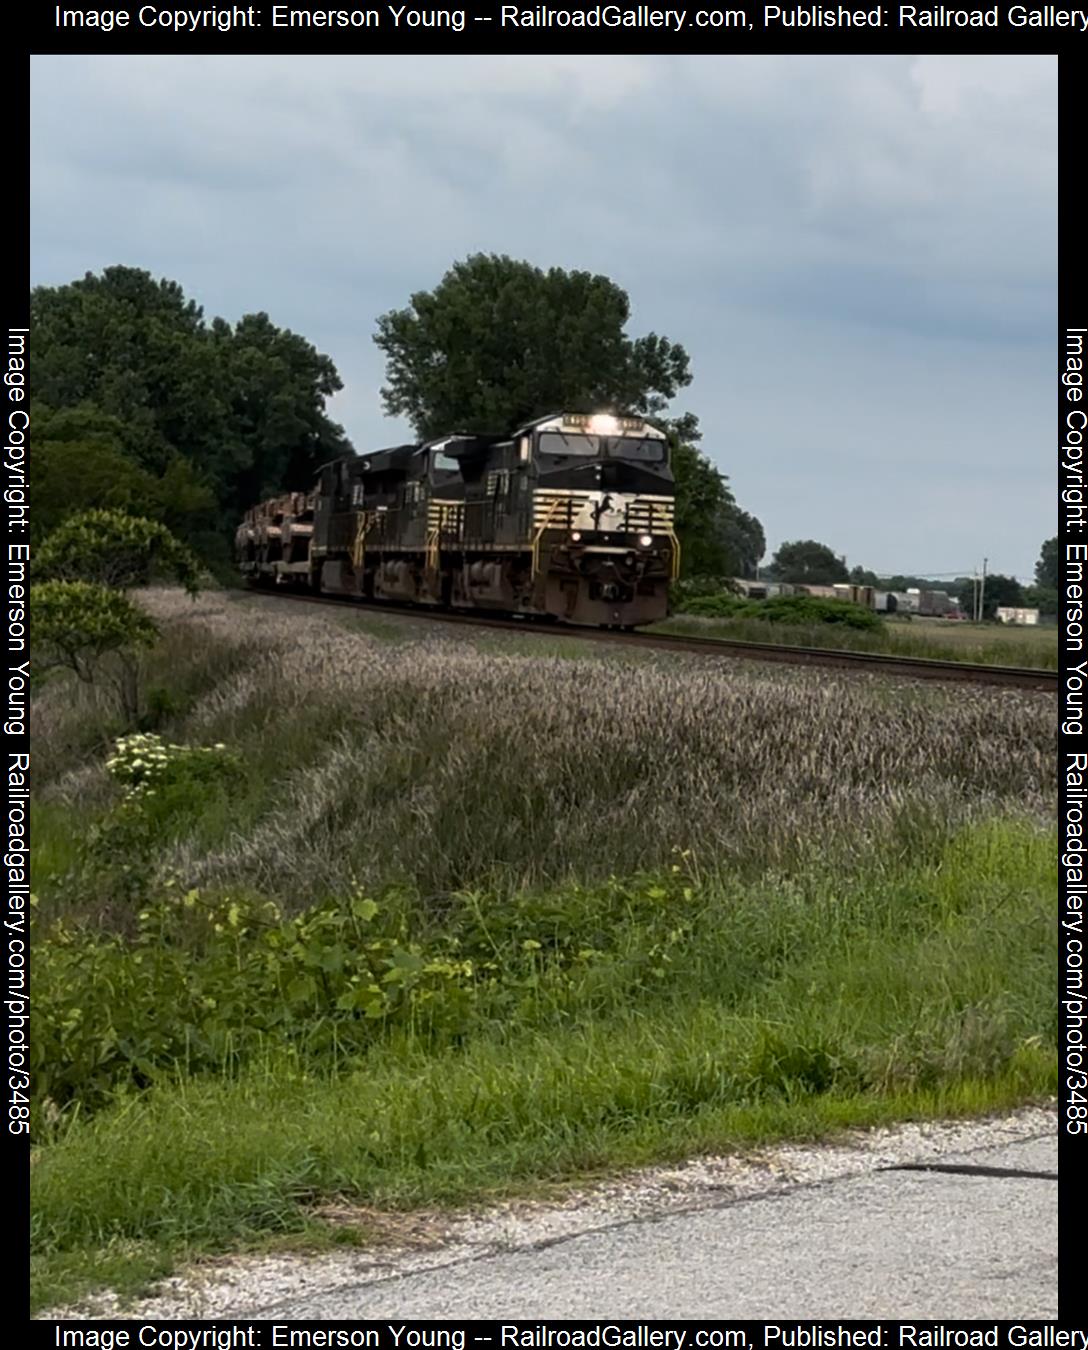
[(784, 1011), (437, 921), (425, 763)]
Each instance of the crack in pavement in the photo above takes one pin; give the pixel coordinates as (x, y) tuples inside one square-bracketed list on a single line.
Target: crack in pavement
[(971, 1170)]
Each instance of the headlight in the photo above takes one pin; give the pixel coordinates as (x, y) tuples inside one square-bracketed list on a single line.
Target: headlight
[(576, 536), (603, 424), (645, 540)]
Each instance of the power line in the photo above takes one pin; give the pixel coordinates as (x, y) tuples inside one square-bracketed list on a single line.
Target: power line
[(925, 574)]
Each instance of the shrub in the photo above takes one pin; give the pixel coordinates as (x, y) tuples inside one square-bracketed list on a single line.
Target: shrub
[(144, 764), (688, 588), (164, 787), (816, 609), (203, 982), (786, 609), (112, 549), (721, 606), (89, 629)]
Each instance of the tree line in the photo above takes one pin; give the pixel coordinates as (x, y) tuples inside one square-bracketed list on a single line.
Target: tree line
[(141, 405)]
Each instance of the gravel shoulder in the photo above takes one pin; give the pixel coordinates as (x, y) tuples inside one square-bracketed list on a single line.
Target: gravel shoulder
[(286, 1285)]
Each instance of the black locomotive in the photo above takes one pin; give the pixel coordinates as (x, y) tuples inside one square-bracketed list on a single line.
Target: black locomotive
[(571, 516)]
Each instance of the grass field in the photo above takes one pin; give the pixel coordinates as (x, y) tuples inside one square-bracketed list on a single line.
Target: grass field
[(938, 639), (464, 917)]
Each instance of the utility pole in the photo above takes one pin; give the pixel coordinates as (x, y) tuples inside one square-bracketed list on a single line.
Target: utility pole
[(982, 592)]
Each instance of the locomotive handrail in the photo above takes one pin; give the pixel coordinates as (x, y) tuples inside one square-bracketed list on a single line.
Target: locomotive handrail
[(536, 538), (358, 548), (674, 566)]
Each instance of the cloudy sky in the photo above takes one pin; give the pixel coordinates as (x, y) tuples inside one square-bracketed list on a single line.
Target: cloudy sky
[(858, 253)]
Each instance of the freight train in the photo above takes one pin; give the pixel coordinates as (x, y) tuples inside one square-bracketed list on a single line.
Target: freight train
[(571, 517)]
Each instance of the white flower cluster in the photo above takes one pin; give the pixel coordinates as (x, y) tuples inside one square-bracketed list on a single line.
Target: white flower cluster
[(141, 760)]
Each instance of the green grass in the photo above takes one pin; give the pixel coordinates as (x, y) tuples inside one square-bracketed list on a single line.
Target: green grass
[(933, 639), (58, 832), (834, 909), (788, 1010)]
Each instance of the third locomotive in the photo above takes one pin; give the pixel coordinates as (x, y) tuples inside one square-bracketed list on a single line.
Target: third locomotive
[(571, 516)]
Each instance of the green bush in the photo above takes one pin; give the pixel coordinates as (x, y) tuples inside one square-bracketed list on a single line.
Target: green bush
[(787, 609), (109, 548), (93, 632), (147, 766), (164, 787), (720, 606), (77, 623), (816, 609), (202, 984), (690, 588)]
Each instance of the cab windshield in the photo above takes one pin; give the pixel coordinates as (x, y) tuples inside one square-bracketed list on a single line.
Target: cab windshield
[(614, 447)]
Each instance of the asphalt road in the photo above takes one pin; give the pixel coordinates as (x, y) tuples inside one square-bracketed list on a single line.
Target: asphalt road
[(888, 1243)]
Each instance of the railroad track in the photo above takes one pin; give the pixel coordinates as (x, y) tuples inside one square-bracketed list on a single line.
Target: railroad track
[(960, 672)]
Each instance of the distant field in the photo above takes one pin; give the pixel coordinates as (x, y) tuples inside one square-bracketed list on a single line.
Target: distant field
[(1042, 639), (473, 914), (938, 639)]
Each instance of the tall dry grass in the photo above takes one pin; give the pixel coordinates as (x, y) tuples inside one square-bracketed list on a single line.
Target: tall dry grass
[(414, 756)]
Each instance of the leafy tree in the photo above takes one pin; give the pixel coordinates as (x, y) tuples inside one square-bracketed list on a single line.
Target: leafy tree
[(717, 538), (499, 342), (1048, 568), (1043, 598), (108, 548), (139, 351), (79, 463), (743, 540), (807, 561), (277, 384), (1000, 590), (243, 406), (89, 628), (861, 576), (702, 497)]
